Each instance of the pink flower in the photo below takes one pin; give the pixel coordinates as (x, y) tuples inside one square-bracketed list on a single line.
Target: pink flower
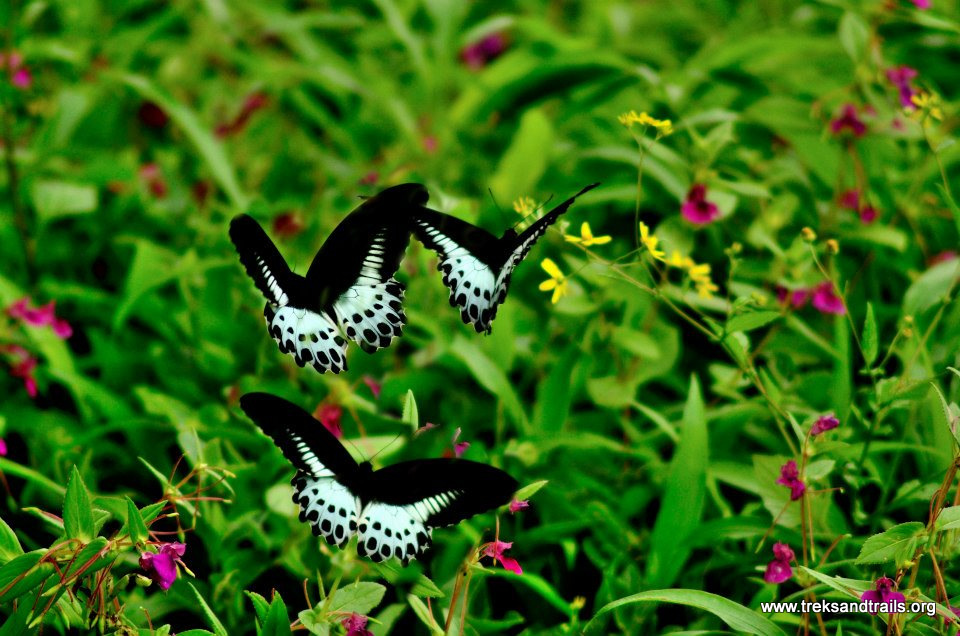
[(790, 477), (151, 115), (329, 415), (288, 224), (696, 209), (943, 257), (883, 593), (901, 77), (40, 316), (430, 144), (22, 364), (370, 178), (519, 504), (923, 5), (374, 386), (826, 300), (495, 550), (459, 448), (151, 175), (480, 53), (797, 298), (823, 424), (20, 75), (251, 105), (21, 78), (356, 625), (779, 569), (848, 119), (3, 448), (162, 566), (423, 429), (868, 214)]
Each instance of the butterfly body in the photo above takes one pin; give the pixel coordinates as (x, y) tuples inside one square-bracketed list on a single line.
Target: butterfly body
[(476, 265), (393, 510), (349, 290)]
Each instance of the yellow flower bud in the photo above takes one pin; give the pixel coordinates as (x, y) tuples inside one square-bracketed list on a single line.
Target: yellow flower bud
[(808, 235)]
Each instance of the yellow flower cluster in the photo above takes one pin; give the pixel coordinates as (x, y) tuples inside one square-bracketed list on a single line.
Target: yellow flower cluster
[(663, 126), (524, 206), (928, 105), (586, 237), (699, 274), (557, 281)]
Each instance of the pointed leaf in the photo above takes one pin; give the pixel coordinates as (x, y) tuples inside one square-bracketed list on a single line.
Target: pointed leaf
[(77, 511), (869, 337)]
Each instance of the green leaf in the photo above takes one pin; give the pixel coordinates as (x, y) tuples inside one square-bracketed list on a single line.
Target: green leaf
[(533, 582), (425, 615), (526, 159), (948, 421), (277, 622), (683, 500), (135, 526), (9, 544), (948, 519), (753, 320), (490, 377), (77, 511), (211, 150), (854, 36), (396, 574), (530, 489), (898, 544), (740, 619), (89, 559), (215, 623), (22, 574), (360, 597), (931, 287), (869, 337), (850, 587), (410, 414), (54, 199), (260, 605)]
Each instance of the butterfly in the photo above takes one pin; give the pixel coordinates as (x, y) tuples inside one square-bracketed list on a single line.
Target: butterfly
[(393, 510), (348, 291), (476, 265)]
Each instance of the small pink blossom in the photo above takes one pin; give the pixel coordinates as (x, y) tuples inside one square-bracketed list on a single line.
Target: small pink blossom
[(356, 625), (823, 424), (19, 74), (153, 178), (480, 53), (330, 415), (797, 298), (519, 504), (943, 257), (21, 78), (430, 144), (868, 214), (162, 566), (288, 224), (850, 200), (883, 592), (923, 5), (370, 178), (850, 120), (901, 77), (374, 386), (779, 569), (251, 105), (22, 364), (826, 300), (495, 550), (696, 209), (459, 448), (790, 477), (42, 316), (3, 448), (423, 429)]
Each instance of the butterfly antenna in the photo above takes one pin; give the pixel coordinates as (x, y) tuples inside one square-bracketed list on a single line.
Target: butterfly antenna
[(385, 447)]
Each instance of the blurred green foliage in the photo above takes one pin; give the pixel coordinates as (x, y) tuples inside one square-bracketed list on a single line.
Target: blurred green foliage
[(659, 418)]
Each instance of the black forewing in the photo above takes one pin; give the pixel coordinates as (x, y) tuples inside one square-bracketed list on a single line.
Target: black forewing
[(304, 441), (479, 487), (432, 227), (385, 218), (529, 237), (263, 262)]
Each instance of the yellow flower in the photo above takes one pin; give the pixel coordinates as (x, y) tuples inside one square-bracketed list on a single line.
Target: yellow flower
[(663, 126), (679, 260), (705, 288), (586, 237), (650, 242), (524, 205), (928, 104), (699, 273), (557, 282)]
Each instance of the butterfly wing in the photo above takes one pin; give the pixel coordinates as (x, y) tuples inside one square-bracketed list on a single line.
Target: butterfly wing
[(468, 256), (355, 267), (322, 464), (292, 319), (408, 500), (476, 265), (517, 248)]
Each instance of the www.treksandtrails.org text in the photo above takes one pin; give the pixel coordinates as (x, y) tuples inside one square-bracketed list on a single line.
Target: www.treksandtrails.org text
[(840, 607)]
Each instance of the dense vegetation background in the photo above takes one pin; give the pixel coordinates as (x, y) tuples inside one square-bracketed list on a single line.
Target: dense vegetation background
[(808, 164)]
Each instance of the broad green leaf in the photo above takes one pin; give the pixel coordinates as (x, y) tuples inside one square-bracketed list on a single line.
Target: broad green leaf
[(215, 623), (260, 605), (425, 615), (22, 574), (410, 414), (948, 519), (948, 421), (135, 525), (9, 544), (77, 510), (854, 36), (869, 337), (53, 199), (277, 622), (897, 544), (741, 619), (750, 321), (681, 508), (360, 597), (526, 159), (850, 587), (931, 287)]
